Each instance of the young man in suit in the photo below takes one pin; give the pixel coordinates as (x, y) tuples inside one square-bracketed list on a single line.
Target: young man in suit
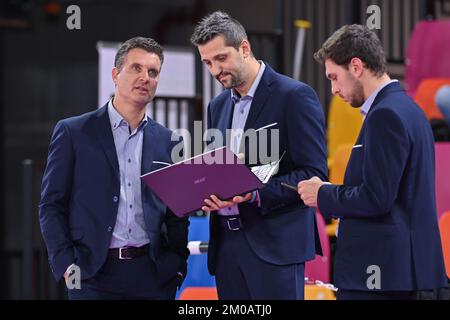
[(94, 211), (260, 241), (388, 244)]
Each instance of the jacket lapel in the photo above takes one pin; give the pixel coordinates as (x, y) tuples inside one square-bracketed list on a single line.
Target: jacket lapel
[(262, 93), (152, 207), (106, 139), (225, 120), (392, 87), (148, 144)]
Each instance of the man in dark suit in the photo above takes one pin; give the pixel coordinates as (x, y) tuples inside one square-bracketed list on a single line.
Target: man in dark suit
[(94, 212), (260, 241), (388, 244)]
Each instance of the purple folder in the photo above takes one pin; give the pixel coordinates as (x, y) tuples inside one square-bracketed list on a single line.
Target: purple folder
[(184, 186)]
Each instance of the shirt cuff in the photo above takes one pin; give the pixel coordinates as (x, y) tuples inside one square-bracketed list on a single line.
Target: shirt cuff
[(255, 197), (322, 204)]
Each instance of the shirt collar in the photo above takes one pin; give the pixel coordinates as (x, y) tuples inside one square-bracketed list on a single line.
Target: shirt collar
[(368, 103), (116, 119), (114, 116), (235, 95)]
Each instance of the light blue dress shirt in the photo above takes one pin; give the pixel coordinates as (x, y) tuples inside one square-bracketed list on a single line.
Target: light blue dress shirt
[(129, 230), (241, 109)]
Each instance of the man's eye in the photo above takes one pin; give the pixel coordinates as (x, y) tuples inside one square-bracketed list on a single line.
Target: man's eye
[(153, 73), (136, 68)]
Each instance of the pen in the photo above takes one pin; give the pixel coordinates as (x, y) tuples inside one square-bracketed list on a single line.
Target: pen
[(289, 186)]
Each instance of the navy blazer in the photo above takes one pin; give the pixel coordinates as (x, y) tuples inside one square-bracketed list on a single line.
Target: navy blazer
[(387, 203), (80, 192), (283, 230)]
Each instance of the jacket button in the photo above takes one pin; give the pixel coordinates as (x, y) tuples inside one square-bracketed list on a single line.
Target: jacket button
[(110, 229), (115, 198)]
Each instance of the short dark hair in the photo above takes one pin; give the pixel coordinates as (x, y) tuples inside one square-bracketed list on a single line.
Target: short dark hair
[(354, 41), (147, 44), (219, 23)]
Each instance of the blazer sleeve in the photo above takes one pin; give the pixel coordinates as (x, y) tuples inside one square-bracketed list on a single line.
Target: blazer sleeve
[(177, 238), (55, 198), (386, 148), (305, 148)]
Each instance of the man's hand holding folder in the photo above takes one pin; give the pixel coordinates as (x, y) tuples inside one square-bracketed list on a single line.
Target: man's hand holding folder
[(214, 203)]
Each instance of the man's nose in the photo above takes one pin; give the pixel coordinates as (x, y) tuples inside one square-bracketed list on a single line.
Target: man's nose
[(145, 76), (334, 89), (215, 69)]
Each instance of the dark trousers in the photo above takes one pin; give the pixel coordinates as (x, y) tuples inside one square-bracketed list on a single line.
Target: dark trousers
[(124, 279), (343, 294), (241, 274)]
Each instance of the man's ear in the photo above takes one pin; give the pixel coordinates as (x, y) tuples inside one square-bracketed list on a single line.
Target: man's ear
[(246, 48), (114, 74), (356, 67)]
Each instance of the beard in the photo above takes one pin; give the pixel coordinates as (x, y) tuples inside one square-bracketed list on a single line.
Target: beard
[(356, 98), (235, 77), (234, 80)]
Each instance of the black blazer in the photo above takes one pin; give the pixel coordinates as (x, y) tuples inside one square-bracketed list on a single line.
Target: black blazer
[(80, 191), (283, 230), (387, 203)]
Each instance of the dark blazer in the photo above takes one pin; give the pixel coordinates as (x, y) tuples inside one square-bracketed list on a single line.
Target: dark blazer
[(387, 203), (283, 230), (80, 191)]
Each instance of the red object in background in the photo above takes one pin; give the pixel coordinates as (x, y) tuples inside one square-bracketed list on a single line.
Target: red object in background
[(427, 53), (442, 169), (319, 268)]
